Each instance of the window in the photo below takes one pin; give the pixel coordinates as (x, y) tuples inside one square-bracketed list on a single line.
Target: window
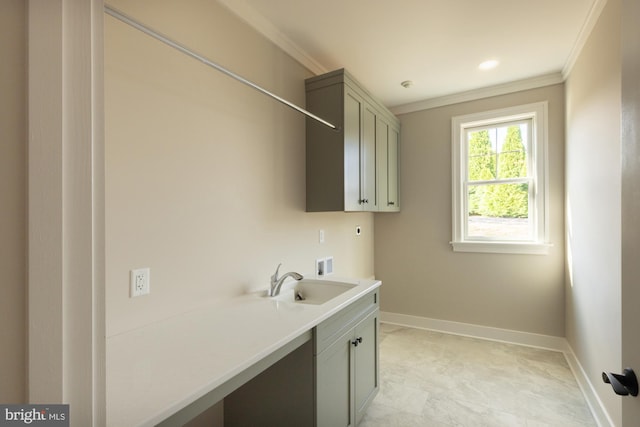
[(499, 181)]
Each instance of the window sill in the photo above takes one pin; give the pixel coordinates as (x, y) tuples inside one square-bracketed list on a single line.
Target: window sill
[(502, 247)]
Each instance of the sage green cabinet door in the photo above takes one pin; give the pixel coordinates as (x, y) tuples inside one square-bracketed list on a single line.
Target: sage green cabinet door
[(382, 140), (368, 185), (393, 196), (387, 162), (360, 192), (334, 376), (366, 381), (353, 108)]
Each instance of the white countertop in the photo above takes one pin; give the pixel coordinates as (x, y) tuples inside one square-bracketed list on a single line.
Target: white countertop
[(187, 356)]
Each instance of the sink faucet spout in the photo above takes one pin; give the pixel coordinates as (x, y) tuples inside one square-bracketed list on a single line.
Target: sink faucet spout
[(276, 282)]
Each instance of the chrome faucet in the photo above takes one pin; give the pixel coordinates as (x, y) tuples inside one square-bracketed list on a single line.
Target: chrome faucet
[(276, 282)]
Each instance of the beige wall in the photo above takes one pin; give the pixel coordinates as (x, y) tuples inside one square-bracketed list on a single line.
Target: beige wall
[(205, 178), (12, 200), (593, 98), (423, 277)]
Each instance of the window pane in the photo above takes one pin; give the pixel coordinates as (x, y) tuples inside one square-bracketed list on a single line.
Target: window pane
[(498, 152), (482, 156), (512, 158), (498, 211)]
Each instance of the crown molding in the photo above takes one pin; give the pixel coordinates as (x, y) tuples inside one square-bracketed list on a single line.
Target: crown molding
[(585, 32), (262, 25), (481, 93)]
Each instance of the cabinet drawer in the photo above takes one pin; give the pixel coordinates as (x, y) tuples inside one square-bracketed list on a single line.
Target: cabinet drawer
[(332, 328)]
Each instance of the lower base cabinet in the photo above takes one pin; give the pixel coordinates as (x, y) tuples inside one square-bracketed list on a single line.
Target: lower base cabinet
[(329, 381), (346, 364)]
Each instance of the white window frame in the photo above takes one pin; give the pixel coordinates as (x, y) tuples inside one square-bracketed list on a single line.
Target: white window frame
[(539, 201)]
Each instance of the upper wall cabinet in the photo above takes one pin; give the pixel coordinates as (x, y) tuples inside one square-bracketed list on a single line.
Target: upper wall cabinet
[(354, 168)]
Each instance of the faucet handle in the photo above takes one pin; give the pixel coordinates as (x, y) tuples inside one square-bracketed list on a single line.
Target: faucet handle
[(274, 278)]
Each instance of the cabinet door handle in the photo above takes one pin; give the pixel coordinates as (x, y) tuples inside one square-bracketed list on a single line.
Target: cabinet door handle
[(391, 203), (356, 341)]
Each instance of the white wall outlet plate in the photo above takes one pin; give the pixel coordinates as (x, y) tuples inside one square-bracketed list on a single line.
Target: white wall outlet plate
[(320, 236), (358, 230), (139, 282), (328, 265)]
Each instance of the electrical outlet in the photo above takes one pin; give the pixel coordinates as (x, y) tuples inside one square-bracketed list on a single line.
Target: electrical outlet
[(321, 236), (139, 282)]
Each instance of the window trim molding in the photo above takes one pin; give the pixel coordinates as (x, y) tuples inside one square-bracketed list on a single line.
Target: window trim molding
[(538, 112)]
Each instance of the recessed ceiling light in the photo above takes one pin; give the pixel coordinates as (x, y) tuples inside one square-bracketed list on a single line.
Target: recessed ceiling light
[(488, 65), (406, 84)]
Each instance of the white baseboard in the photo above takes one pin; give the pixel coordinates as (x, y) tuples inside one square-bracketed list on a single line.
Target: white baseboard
[(547, 342), (476, 331), (598, 410)]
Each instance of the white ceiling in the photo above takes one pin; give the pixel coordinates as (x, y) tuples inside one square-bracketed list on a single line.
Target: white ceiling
[(437, 44)]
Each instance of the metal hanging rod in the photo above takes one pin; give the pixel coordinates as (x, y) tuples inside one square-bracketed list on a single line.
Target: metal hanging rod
[(166, 40)]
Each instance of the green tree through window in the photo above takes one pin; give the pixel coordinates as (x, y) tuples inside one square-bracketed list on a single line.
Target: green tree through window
[(482, 166), (482, 157), (513, 160)]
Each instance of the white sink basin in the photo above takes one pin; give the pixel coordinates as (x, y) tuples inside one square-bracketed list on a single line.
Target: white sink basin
[(309, 291)]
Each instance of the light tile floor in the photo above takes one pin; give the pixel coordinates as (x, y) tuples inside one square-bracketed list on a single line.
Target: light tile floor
[(431, 379)]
